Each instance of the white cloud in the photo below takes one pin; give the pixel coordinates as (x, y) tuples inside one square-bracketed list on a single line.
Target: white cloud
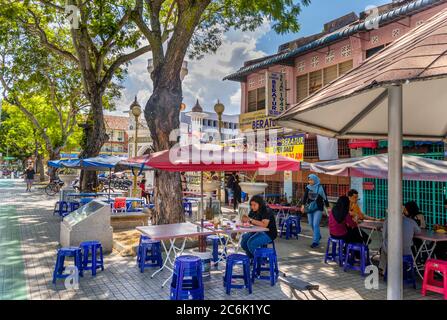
[(204, 80)]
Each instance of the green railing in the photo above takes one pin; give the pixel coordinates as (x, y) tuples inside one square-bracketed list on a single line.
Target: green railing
[(429, 195)]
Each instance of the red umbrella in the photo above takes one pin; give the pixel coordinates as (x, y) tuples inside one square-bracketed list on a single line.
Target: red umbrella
[(209, 157)]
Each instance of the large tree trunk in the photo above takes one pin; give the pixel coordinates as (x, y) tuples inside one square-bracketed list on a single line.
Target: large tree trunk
[(54, 155), (94, 138), (162, 115), (39, 167)]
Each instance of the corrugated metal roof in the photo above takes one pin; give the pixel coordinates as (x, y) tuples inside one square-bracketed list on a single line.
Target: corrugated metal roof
[(395, 14)]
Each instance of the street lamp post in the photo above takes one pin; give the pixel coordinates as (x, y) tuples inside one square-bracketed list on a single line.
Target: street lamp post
[(219, 108), (135, 109)]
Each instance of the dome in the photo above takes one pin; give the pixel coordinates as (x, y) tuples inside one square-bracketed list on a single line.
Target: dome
[(197, 107)]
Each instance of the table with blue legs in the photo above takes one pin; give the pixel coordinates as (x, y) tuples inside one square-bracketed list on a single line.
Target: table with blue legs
[(170, 233), (226, 231)]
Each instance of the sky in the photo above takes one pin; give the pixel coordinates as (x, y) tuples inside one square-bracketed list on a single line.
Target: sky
[(204, 80)]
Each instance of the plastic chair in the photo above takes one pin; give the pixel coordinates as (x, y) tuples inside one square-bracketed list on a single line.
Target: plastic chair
[(291, 227), (351, 262), (187, 282), (119, 205), (187, 207), (149, 254), (261, 257), (430, 283), (60, 208), (409, 272), (335, 252), (92, 257), (233, 260), (59, 267), (215, 241)]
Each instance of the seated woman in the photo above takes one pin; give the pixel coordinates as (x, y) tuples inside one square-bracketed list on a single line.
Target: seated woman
[(262, 216), (409, 229), (342, 225), (354, 208)]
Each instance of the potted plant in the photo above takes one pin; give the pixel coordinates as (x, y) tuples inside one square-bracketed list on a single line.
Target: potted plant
[(252, 188)]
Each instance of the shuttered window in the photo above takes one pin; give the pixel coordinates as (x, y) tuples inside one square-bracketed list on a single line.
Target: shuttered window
[(302, 87), (345, 67), (316, 81), (330, 74), (256, 99)]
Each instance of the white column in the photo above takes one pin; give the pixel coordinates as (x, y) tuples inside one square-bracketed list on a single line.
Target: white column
[(394, 281)]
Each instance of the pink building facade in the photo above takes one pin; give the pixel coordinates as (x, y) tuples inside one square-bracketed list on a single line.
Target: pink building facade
[(312, 62)]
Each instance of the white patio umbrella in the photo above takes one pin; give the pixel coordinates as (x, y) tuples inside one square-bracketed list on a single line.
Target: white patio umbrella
[(401, 92), (376, 166)]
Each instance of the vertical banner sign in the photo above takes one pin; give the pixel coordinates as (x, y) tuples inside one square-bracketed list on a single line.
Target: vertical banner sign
[(275, 93)]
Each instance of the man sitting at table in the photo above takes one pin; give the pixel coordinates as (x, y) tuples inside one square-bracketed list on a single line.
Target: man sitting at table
[(261, 216), (354, 208), (409, 229)]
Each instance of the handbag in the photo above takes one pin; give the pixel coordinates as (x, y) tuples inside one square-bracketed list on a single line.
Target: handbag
[(312, 206)]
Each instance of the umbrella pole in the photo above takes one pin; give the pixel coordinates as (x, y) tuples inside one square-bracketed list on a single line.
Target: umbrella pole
[(201, 195), (110, 181), (395, 273)]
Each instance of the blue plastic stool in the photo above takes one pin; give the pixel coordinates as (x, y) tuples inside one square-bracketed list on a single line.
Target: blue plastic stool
[(187, 207), (237, 259), (59, 268), (291, 227), (334, 251), (149, 252), (351, 262), (216, 240), (92, 248), (60, 208), (84, 201), (143, 238), (261, 257), (187, 282), (409, 273)]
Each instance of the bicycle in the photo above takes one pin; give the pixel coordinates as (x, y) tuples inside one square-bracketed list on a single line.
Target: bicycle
[(53, 187)]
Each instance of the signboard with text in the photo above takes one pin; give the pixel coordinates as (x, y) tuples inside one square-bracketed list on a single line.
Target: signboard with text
[(256, 121), (289, 146), (275, 93)]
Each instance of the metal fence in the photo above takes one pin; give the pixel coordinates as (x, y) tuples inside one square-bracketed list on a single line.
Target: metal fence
[(429, 195)]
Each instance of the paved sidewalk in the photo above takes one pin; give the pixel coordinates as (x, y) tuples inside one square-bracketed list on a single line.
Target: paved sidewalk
[(29, 239)]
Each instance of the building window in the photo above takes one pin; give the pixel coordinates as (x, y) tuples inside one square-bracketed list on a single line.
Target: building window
[(330, 56), (315, 81), (346, 51), (330, 74), (302, 87), (315, 61), (311, 82), (256, 99), (120, 136), (301, 66), (373, 51), (345, 67)]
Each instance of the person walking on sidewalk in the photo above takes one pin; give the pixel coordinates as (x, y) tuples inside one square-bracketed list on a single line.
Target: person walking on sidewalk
[(313, 204), (29, 177)]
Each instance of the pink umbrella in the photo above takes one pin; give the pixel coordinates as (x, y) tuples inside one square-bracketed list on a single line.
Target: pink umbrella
[(208, 157)]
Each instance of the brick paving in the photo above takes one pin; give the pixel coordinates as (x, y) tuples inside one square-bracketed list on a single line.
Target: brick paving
[(30, 237)]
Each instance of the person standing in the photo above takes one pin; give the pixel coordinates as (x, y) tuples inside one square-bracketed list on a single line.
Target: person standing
[(29, 177), (313, 204), (237, 193)]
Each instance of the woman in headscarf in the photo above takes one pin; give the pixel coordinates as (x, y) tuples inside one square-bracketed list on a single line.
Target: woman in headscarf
[(313, 204), (342, 225)]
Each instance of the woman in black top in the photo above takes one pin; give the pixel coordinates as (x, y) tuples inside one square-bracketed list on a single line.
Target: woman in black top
[(29, 177), (262, 216)]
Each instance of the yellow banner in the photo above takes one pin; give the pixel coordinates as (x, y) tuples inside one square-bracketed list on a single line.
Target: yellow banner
[(289, 146), (256, 121)]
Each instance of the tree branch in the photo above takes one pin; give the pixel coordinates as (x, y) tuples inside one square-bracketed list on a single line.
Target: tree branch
[(119, 62)]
